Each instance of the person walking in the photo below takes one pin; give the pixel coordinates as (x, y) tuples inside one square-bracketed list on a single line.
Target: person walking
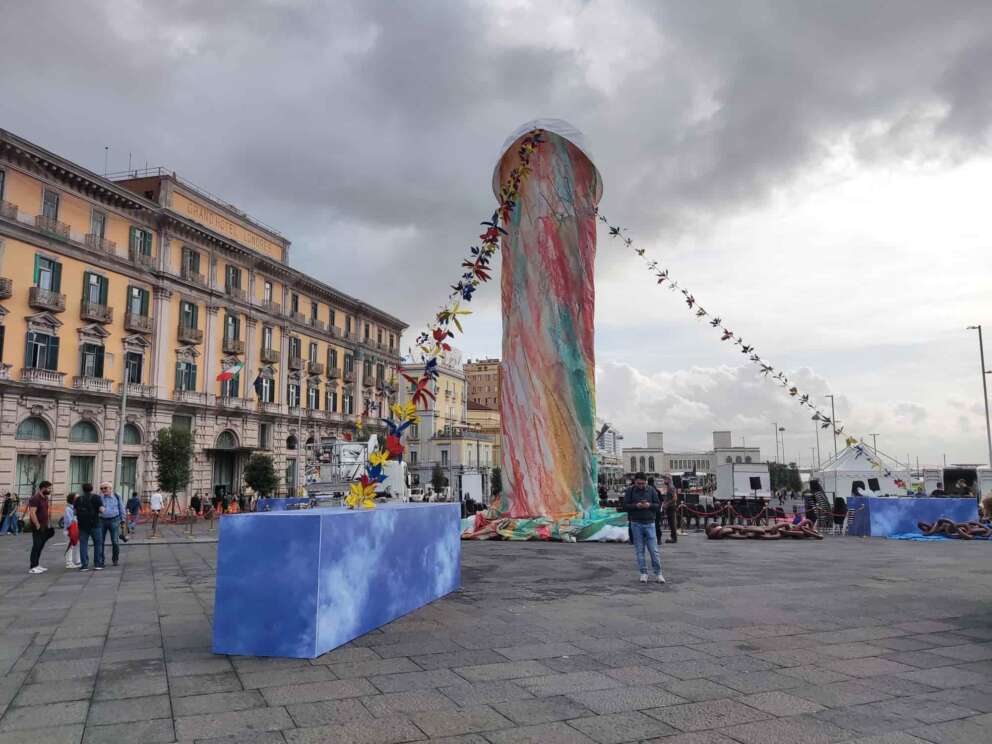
[(671, 507), (111, 517), (87, 510), (40, 531), (642, 504), (70, 529), (155, 502), (8, 520), (133, 507)]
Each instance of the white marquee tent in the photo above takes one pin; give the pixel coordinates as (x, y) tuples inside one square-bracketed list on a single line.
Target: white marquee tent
[(860, 463)]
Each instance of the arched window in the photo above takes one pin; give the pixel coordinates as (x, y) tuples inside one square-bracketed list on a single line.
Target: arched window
[(83, 431), (33, 428), (132, 434), (291, 442), (227, 440), (651, 463), (747, 458), (738, 459), (633, 464), (642, 462), (729, 458)]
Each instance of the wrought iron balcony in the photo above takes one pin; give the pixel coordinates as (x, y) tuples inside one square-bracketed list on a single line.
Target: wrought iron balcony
[(93, 384), (98, 243), (315, 368), (189, 396), (45, 299), (51, 225), (297, 317), (137, 390), (8, 210), (367, 382), (6, 288), (317, 323), (43, 377), (96, 312), (233, 346), (137, 323), (271, 307), (334, 331), (142, 260), (334, 373), (349, 376), (296, 363), (194, 277), (236, 293), (269, 356), (188, 335)]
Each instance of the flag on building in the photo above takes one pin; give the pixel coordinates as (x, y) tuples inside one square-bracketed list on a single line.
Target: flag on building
[(230, 372)]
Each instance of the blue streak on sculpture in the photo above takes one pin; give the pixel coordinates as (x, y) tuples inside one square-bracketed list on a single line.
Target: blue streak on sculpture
[(299, 584)]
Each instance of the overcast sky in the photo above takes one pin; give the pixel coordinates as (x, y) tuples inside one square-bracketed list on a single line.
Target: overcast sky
[(816, 173)]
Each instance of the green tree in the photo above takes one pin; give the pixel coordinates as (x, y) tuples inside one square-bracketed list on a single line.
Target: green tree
[(173, 451), (260, 474), (497, 481), (437, 478), (784, 476)]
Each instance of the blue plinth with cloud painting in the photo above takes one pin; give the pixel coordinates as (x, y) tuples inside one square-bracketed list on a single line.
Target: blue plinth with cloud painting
[(300, 583), (882, 517)]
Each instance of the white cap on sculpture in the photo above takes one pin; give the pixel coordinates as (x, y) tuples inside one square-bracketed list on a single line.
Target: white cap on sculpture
[(558, 126)]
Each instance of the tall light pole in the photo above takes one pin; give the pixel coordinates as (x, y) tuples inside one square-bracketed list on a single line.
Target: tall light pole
[(816, 430), (833, 421), (775, 428), (985, 388), (811, 450), (784, 458)]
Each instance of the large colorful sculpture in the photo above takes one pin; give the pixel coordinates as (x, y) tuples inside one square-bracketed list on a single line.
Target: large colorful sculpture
[(547, 396)]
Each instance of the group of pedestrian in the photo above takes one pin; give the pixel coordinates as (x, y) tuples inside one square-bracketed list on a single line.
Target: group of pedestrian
[(88, 517)]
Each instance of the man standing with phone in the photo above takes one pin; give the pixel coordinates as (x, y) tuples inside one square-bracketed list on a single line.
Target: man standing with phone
[(642, 504), (40, 531)]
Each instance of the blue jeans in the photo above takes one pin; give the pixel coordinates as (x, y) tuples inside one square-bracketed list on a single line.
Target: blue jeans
[(113, 526), (644, 537), (10, 523), (85, 535)]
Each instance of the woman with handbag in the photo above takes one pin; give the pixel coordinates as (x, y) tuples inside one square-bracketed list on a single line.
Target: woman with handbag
[(70, 528), (40, 531)]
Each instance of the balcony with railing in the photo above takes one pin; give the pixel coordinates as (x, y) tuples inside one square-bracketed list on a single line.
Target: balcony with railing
[(367, 381), (297, 317), (189, 396), (99, 243), (334, 373), (317, 324), (269, 356), (296, 363), (45, 299), (189, 335), (137, 390), (236, 293), (92, 384), (52, 226), (6, 288), (238, 404), (42, 377), (267, 407), (334, 331), (95, 312), (271, 307), (193, 277), (8, 210), (137, 323), (349, 375), (315, 368), (233, 346), (139, 259)]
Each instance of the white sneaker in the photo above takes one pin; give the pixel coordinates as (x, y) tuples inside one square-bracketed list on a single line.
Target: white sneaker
[(644, 578), (71, 565), (36, 570), (661, 579), (42, 569)]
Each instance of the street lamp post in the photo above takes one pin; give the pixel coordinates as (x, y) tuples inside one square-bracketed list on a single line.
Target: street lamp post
[(833, 421), (775, 429), (985, 388), (119, 459), (816, 431), (785, 460)]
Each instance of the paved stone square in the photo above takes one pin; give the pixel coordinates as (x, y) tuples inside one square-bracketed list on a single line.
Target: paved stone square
[(847, 639)]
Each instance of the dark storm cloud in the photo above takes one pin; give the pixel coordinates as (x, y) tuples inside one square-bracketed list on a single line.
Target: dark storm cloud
[(369, 129)]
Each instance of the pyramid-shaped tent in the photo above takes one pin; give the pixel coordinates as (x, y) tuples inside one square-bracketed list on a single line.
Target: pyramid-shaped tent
[(878, 474)]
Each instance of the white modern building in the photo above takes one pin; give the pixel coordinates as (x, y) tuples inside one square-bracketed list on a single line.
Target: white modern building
[(653, 459)]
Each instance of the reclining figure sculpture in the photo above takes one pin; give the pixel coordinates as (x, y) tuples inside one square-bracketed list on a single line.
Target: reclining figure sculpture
[(961, 530), (770, 532)]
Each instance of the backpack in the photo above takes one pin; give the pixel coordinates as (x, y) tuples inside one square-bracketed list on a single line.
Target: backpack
[(85, 510)]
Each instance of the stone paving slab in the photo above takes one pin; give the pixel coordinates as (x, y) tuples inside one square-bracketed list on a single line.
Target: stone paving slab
[(544, 643)]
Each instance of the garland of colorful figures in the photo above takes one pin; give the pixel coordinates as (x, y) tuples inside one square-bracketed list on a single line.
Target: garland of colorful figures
[(433, 343)]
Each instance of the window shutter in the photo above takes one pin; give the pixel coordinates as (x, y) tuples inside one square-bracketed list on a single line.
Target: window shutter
[(143, 294), (195, 314), (28, 344), (192, 377), (103, 290), (56, 276), (53, 354), (133, 239), (37, 269), (86, 285), (98, 365), (179, 376)]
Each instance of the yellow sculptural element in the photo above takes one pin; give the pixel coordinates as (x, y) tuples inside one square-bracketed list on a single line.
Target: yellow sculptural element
[(378, 458), (361, 493), (406, 412)]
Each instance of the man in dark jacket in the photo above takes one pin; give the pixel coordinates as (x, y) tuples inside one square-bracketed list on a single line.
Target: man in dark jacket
[(642, 505), (88, 516)]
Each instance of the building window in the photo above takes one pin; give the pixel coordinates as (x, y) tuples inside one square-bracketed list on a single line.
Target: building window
[(231, 388), (347, 404), (332, 359), (132, 434), (133, 362), (265, 436), (266, 337), (267, 292), (50, 204), (331, 400), (94, 288), (313, 351), (141, 241), (347, 325), (42, 351), (47, 274), (633, 464), (737, 459), (368, 330), (190, 261), (293, 395), (98, 223), (367, 369), (33, 429), (83, 431), (349, 363), (380, 372), (3, 181), (642, 463), (232, 277), (267, 390), (747, 458), (444, 458), (294, 302), (185, 376), (188, 312), (651, 464), (295, 348), (378, 335), (413, 457), (232, 327), (291, 442), (331, 319), (314, 309), (313, 397), (182, 423), (392, 341), (91, 360), (414, 431), (137, 301)]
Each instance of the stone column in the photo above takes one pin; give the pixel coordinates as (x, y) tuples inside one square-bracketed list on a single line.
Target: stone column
[(251, 359), (160, 353), (547, 397), (281, 393), (210, 351)]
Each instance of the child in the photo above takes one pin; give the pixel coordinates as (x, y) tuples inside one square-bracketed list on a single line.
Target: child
[(133, 507), (70, 528)]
